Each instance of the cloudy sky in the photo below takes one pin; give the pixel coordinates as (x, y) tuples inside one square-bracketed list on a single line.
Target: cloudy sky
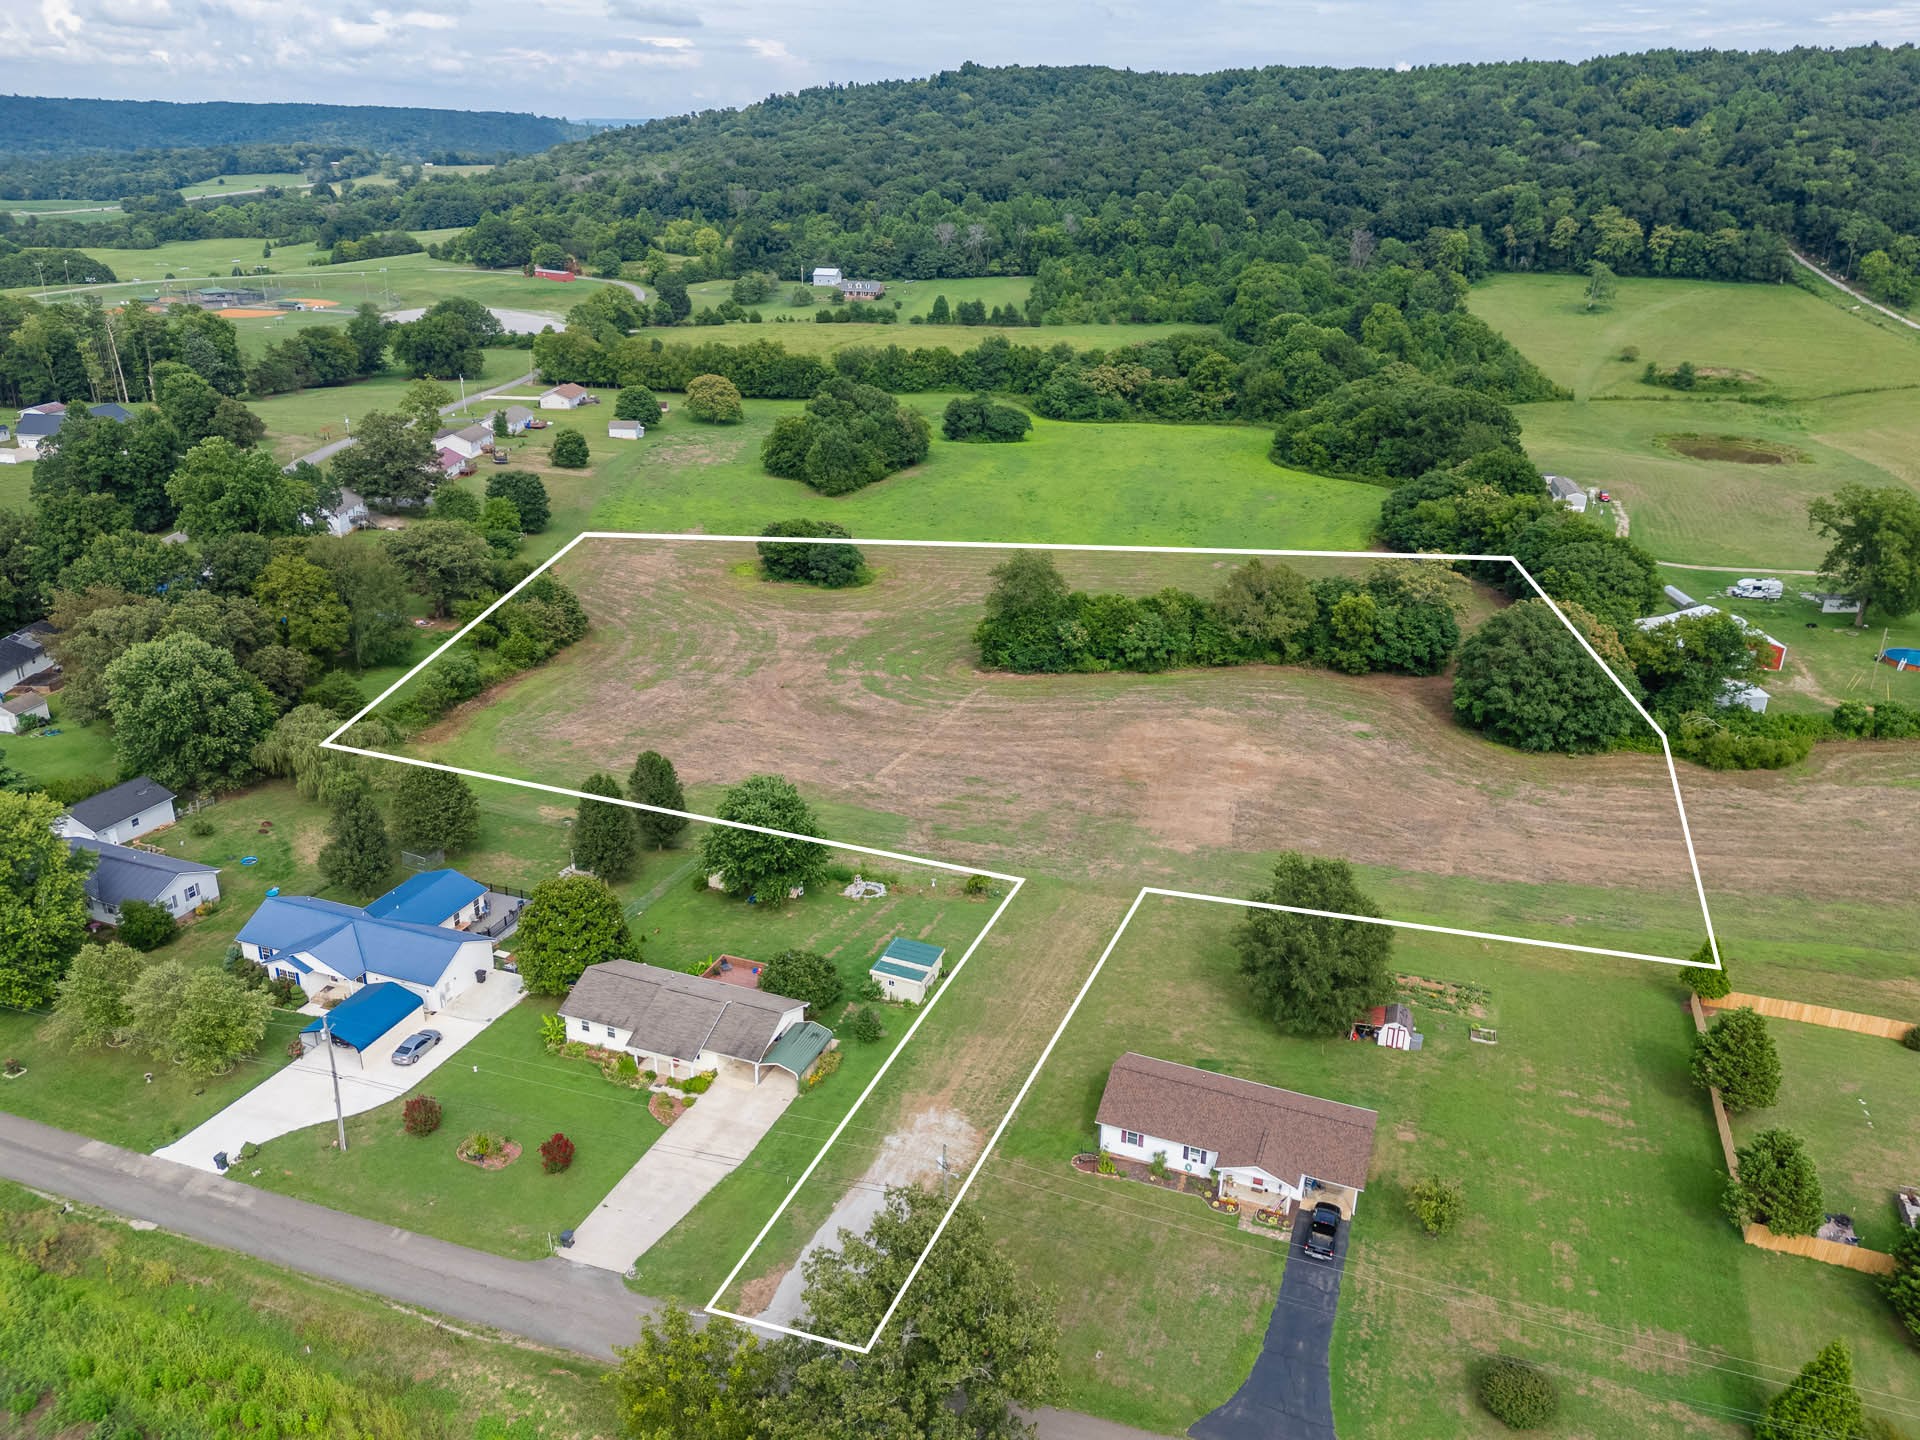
[(634, 58)]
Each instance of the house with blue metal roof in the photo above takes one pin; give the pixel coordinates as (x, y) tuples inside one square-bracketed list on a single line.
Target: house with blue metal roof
[(325, 946), (433, 897), (907, 969)]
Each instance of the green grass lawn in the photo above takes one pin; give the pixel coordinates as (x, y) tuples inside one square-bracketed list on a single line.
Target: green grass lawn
[(189, 1303), (105, 1094), (1838, 395), (1850, 1098), (1112, 483), (915, 298), (506, 1083), (308, 419), (252, 180), (75, 750), (1592, 1185)]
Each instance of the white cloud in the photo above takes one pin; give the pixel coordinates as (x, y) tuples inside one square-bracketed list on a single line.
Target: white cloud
[(59, 18), (138, 14), (770, 49), (646, 13)]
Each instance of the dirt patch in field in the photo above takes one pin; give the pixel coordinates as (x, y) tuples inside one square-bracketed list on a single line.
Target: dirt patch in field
[(1736, 449)]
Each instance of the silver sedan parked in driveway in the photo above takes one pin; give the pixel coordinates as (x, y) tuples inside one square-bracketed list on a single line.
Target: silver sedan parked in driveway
[(414, 1046)]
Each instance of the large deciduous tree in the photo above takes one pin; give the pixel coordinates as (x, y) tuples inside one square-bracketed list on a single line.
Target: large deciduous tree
[(220, 489), (391, 460), (830, 566), (183, 711), (1736, 1055), (604, 836), (654, 781), (43, 900), (445, 560), (1308, 974), (1524, 680), (804, 975), (1874, 547), (714, 399), (972, 1347), (302, 601), (1267, 609), (679, 1383), (1778, 1186), (528, 494), (766, 866), (569, 923), (91, 1010), (203, 1020), (434, 810)]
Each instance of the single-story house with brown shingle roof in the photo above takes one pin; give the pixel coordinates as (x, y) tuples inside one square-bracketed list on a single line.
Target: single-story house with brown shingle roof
[(1266, 1143), (681, 1025)]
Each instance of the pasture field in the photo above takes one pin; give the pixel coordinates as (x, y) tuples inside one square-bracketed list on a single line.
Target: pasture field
[(1848, 1097), (184, 1299), (84, 211), (1096, 483), (254, 180), (307, 419), (1830, 394), (809, 337), (1593, 1242)]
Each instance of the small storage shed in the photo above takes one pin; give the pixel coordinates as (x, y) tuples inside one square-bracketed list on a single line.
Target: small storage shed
[(625, 430), (907, 969)]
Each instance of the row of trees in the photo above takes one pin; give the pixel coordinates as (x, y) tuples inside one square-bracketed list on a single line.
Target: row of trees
[(1400, 617)]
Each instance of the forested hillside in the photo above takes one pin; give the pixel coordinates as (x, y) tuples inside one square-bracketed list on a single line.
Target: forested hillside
[(36, 125)]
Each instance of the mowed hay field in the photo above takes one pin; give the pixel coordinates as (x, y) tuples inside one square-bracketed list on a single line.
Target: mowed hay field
[(1839, 393)]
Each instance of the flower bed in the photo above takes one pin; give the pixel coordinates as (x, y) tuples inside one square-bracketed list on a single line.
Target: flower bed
[(488, 1152), (1122, 1168), (666, 1108)]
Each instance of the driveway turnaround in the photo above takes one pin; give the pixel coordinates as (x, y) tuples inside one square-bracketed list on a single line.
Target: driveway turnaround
[(1289, 1395), (301, 1093), (675, 1174)]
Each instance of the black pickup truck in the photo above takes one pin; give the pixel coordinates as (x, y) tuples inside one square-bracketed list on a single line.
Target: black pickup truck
[(1323, 1229)]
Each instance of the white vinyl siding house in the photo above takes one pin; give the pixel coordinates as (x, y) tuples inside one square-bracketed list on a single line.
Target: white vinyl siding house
[(679, 1025), (121, 874), (129, 811), (825, 275)]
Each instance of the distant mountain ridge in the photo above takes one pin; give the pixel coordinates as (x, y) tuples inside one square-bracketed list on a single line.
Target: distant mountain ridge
[(37, 125)]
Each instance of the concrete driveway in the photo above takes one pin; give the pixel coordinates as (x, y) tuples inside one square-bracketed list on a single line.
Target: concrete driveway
[(1289, 1394), (301, 1093), (664, 1185)]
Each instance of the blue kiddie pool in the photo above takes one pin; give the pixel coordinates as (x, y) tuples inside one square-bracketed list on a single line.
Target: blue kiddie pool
[(1901, 658), (249, 859)]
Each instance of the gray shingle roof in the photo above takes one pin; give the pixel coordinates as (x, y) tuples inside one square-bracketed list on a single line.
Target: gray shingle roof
[(674, 1014), (127, 799), (39, 424), (15, 652), (1284, 1133), (125, 874)]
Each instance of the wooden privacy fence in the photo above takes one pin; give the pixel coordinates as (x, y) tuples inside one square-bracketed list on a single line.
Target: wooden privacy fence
[(1816, 1015), (1828, 1252), (1831, 1252)]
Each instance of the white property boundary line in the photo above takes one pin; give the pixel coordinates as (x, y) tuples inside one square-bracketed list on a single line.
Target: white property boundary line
[(332, 742)]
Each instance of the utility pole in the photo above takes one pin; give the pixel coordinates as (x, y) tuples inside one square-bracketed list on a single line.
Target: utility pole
[(945, 1172), (339, 1115)]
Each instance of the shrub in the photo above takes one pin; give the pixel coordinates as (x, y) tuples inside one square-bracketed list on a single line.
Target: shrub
[(481, 1144), (1778, 1185), (1519, 1395), (1709, 984), (823, 1067), (553, 1032), (1437, 1204), (977, 417), (977, 885), (1106, 1165), (421, 1115), (1157, 1167), (830, 566), (1903, 1286), (1912, 1038), (628, 1067), (200, 827), (556, 1153), (146, 926), (868, 989), (865, 1026), (697, 1084)]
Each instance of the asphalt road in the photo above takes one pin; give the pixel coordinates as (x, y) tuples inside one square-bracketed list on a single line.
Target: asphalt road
[(552, 1302), (569, 1307), (1289, 1394)]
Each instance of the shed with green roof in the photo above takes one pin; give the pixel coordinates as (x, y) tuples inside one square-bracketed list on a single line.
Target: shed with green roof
[(907, 969)]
